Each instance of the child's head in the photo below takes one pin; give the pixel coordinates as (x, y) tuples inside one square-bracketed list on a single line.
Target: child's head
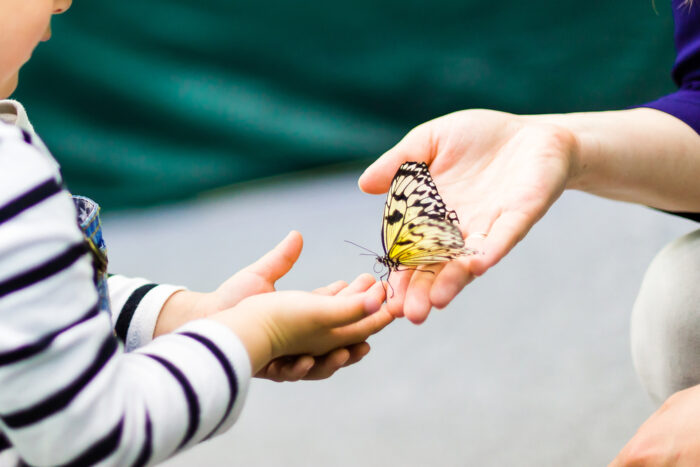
[(24, 24)]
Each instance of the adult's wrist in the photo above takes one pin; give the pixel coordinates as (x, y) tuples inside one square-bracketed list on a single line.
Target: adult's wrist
[(573, 140), (637, 155)]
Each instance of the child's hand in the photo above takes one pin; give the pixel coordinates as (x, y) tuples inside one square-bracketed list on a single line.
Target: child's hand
[(320, 367), (295, 323), (259, 277)]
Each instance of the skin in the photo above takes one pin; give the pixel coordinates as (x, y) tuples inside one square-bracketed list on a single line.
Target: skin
[(502, 172), (344, 342), (31, 24), (260, 278), (669, 437)]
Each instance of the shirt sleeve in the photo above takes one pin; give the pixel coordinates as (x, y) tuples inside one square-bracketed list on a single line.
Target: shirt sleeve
[(136, 304), (685, 102), (69, 393)]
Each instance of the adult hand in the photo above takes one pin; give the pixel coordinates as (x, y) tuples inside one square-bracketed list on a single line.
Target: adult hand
[(670, 437), (500, 172)]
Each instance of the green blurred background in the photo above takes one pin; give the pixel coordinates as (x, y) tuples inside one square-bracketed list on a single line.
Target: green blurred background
[(156, 100)]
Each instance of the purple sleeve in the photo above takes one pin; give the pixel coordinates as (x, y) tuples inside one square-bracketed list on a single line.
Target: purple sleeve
[(684, 103)]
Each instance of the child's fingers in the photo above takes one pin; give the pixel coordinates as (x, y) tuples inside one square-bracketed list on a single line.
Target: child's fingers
[(298, 369), (360, 284), (374, 297), (278, 261), (343, 310), (328, 364), (331, 289), (359, 332), (270, 371), (357, 352), (287, 369)]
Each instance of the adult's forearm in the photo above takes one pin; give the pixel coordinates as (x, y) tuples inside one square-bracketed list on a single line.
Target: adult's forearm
[(639, 155)]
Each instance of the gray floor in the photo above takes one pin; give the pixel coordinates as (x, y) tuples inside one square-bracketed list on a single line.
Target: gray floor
[(528, 367)]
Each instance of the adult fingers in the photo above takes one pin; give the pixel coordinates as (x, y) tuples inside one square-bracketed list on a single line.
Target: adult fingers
[(450, 281), (505, 233), (415, 146), (278, 261), (417, 304), (396, 288)]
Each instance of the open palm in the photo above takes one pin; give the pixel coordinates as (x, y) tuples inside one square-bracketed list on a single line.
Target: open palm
[(499, 171)]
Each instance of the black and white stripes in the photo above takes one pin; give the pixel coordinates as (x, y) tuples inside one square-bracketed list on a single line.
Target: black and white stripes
[(28, 350), (126, 314), (32, 197), (228, 371), (190, 396), (70, 392), (46, 269)]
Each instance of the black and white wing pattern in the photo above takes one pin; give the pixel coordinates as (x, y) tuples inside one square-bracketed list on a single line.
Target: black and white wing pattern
[(417, 228)]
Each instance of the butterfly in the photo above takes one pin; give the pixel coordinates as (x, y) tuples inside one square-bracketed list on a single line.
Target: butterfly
[(417, 227)]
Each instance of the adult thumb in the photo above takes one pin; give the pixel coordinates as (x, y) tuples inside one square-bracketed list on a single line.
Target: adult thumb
[(415, 146)]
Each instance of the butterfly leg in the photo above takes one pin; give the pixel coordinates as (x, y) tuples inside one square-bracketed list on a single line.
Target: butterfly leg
[(381, 279)]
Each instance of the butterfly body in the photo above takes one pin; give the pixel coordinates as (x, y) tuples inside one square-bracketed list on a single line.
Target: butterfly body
[(417, 227)]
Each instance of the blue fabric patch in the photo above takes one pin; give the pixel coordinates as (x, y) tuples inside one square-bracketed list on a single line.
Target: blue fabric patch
[(89, 222)]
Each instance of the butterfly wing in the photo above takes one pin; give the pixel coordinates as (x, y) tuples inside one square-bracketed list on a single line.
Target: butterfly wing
[(432, 241), (417, 227), (412, 198)]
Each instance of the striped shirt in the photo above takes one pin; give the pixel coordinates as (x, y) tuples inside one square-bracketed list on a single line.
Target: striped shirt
[(78, 386)]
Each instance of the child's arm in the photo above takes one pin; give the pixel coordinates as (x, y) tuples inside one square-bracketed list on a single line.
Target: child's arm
[(309, 367), (69, 393), (142, 310), (303, 323)]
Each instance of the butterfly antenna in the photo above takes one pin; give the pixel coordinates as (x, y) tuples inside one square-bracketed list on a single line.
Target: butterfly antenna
[(360, 246)]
